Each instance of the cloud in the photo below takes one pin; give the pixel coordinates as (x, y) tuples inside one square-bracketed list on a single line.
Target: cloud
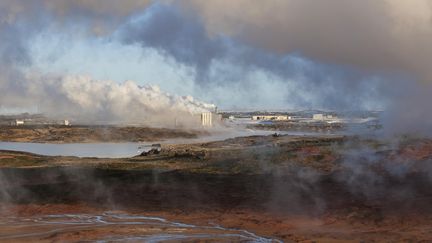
[(221, 62), (378, 35), (77, 97), (353, 54), (333, 54)]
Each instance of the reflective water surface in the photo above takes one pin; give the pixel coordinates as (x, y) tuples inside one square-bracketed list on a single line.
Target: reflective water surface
[(124, 150), (99, 150), (113, 227)]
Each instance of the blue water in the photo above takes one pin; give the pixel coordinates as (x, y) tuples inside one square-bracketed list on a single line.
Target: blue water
[(99, 150)]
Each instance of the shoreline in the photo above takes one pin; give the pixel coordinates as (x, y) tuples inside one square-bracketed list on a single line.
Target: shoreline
[(93, 134)]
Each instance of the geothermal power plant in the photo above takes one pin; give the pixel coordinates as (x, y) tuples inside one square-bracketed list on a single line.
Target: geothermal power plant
[(215, 121)]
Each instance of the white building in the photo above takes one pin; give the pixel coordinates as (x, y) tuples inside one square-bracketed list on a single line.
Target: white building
[(318, 117), (326, 118), (269, 118), (206, 119), (19, 122), (66, 123)]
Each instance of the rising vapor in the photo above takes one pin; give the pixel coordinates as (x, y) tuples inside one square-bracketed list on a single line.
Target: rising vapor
[(87, 100), (383, 35), (333, 54), (78, 97), (379, 38)]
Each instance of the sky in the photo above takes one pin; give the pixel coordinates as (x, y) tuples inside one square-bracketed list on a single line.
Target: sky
[(239, 54), (111, 59)]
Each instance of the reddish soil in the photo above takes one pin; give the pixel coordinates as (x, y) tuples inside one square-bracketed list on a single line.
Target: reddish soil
[(285, 227), (312, 191)]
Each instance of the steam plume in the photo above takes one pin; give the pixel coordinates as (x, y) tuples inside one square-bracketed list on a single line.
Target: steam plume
[(333, 54), (85, 99), (77, 97)]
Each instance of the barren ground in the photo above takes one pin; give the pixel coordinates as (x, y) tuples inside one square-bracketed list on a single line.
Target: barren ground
[(293, 188), (87, 134)]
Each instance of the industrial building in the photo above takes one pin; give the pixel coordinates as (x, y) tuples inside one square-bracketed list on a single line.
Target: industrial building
[(30, 120), (326, 118), (270, 118), (18, 122), (206, 119), (318, 117)]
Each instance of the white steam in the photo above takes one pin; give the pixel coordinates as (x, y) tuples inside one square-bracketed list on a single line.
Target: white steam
[(83, 99)]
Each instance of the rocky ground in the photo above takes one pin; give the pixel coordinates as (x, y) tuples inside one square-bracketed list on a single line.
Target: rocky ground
[(321, 127), (87, 134), (293, 188)]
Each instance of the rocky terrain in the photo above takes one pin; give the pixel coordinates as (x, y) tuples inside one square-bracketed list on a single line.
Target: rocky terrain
[(291, 188), (87, 134)]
